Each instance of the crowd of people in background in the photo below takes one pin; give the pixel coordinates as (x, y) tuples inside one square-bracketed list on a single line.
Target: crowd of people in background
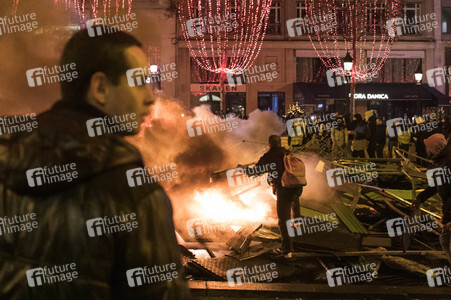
[(345, 136)]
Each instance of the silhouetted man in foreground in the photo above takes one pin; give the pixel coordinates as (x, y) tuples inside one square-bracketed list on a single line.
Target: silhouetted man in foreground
[(101, 233)]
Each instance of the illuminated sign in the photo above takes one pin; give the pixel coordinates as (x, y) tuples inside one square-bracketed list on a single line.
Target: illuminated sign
[(216, 88), (370, 96)]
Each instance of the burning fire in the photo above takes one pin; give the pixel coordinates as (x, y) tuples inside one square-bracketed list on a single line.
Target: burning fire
[(217, 205)]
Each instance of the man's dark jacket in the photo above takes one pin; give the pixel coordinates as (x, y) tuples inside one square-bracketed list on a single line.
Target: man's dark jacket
[(442, 160), (275, 156), (62, 210), (380, 134)]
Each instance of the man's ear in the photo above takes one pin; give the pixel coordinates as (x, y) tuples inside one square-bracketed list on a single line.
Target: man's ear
[(98, 88)]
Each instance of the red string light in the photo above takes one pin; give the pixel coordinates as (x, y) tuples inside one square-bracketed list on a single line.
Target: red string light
[(358, 22), (96, 6), (223, 51)]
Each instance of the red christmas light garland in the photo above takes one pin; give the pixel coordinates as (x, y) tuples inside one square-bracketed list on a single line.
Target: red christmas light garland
[(224, 51)]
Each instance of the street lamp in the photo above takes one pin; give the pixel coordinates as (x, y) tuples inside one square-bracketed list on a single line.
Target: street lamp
[(153, 69), (419, 79), (348, 65), (419, 75), (348, 62), (154, 77)]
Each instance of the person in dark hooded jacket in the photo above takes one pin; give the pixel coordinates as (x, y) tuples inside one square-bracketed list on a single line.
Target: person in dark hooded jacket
[(72, 177), (440, 150), (361, 133), (287, 198)]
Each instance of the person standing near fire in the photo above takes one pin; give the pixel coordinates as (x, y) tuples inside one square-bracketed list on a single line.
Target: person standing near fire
[(440, 150), (287, 198)]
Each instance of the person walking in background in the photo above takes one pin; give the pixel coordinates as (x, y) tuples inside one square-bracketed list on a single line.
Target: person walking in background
[(350, 126), (380, 137), (339, 137), (359, 143), (404, 139), (371, 120), (299, 132), (418, 137), (392, 140)]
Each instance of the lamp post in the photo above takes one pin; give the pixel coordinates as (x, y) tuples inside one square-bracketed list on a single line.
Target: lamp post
[(419, 79), (348, 65), (155, 78)]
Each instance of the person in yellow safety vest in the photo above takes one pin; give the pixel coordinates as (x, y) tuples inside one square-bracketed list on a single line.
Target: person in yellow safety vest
[(404, 139), (339, 137), (299, 133)]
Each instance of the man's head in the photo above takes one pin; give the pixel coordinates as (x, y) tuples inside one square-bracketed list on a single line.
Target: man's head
[(274, 141), (102, 62)]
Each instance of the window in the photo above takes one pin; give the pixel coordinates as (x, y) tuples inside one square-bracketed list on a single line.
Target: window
[(274, 19), (400, 70), (412, 11), (411, 18), (446, 20), (272, 102), (376, 18), (200, 75), (310, 69), (301, 9)]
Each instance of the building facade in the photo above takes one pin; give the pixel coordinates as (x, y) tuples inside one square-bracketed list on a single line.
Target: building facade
[(302, 78)]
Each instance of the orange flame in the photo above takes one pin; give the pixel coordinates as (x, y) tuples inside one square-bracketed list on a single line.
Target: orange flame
[(216, 205)]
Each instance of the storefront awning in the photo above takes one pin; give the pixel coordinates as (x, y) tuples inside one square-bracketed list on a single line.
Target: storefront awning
[(311, 93)]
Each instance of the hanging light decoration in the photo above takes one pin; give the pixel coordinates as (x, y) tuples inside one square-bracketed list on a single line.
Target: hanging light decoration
[(361, 30), (224, 36), (96, 6)]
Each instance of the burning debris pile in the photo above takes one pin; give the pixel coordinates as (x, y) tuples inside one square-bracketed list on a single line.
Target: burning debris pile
[(346, 223)]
